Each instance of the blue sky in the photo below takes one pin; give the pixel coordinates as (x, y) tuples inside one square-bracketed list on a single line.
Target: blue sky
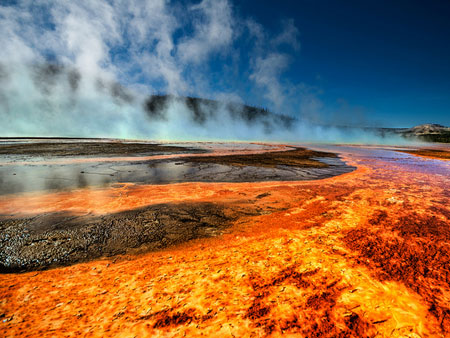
[(390, 60), (357, 63)]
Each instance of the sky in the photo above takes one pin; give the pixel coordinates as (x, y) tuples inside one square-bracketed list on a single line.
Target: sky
[(324, 63), (388, 60)]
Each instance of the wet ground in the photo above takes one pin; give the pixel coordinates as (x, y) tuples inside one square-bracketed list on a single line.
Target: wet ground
[(24, 169), (432, 153), (45, 148), (60, 238), (362, 254)]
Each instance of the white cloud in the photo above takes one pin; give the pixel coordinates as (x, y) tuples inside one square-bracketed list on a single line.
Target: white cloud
[(269, 65), (14, 26), (213, 31), (266, 74), (151, 45), (288, 36)]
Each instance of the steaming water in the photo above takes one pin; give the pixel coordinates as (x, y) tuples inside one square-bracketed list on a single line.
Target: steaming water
[(387, 157), (38, 175), (49, 106)]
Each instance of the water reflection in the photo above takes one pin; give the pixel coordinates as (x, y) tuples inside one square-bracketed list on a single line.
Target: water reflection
[(56, 177), (388, 157), (26, 178)]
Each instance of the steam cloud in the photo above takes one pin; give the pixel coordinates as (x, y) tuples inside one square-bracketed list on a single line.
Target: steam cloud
[(93, 69)]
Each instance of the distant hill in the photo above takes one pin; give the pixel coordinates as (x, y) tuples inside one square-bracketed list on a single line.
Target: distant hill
[(430, 128), (430, 132), (425, 132), (201, 110)]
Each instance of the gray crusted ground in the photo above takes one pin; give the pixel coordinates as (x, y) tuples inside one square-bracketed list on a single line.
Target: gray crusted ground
[(61, 239)]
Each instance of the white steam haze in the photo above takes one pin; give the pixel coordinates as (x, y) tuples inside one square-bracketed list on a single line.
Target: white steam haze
[(85, 68)]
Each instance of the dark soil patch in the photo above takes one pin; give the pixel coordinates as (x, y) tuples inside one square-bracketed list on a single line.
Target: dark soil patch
[(92, 148), (299, 157), (61, 239)]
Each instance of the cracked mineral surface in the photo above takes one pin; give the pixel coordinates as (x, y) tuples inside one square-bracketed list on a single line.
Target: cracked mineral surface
[(360, 254)]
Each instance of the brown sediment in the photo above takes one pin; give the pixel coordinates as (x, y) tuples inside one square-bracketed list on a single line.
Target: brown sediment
[(91, 148), (440, 154), (85, 152), (299, 157), (358, 255), (143, 152)]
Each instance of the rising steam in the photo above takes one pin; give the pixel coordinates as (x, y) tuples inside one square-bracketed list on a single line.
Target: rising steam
[(89, 68)]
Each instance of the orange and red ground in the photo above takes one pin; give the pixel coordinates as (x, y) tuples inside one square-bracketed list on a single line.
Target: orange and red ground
[(364, 254)]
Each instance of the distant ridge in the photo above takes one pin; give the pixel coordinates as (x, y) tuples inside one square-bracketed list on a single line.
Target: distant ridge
[(201, 110), (429, 128), (429, 132)]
